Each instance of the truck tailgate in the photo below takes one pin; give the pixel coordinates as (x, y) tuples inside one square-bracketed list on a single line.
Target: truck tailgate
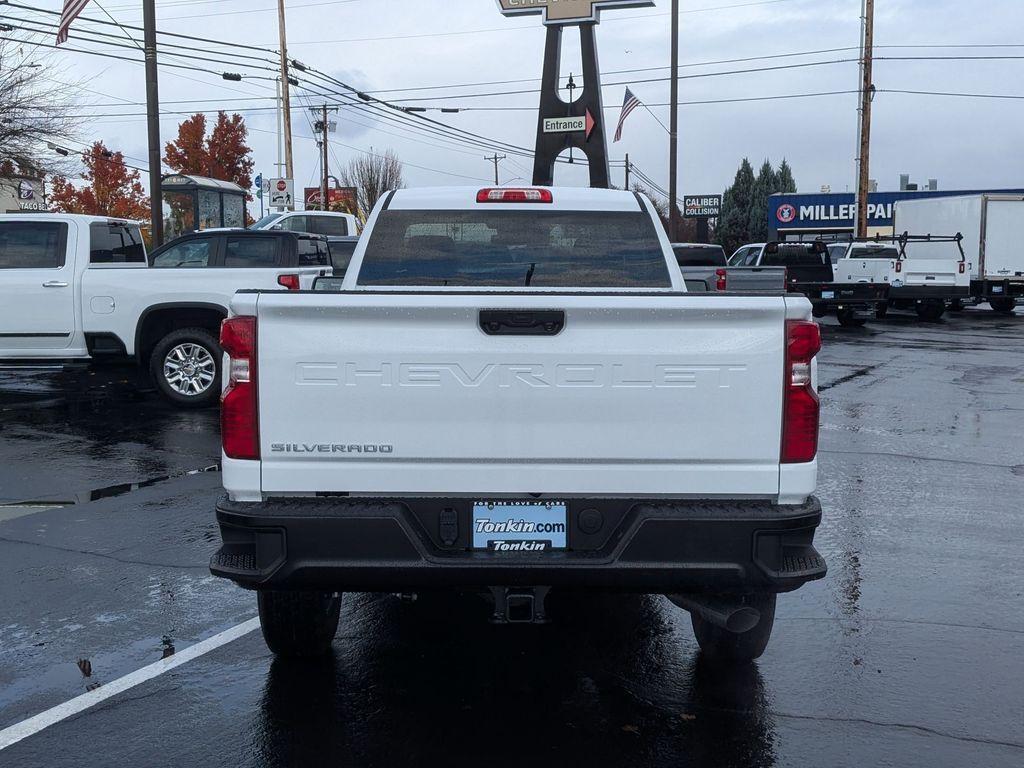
[(376, 392), (928, 272)]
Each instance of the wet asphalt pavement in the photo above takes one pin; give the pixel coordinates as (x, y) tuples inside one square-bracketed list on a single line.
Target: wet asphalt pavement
[(910, 652)]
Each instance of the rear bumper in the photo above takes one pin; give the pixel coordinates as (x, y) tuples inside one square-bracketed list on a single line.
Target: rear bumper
[(918, 292), (998, 289), (838, 295), (651, 546)]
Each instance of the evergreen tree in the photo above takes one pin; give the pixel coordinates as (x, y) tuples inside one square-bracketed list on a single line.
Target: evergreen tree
[(732, 230), (766, 185), (787, 183)]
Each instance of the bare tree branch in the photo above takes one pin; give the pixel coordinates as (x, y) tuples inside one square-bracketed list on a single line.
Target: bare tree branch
[(35, 111), (372, 175)]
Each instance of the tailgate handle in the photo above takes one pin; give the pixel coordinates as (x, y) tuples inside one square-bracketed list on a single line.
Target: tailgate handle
[(522, 322)]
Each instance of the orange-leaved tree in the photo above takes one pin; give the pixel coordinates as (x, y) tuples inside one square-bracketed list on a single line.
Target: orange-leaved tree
[(111, 189), (224, 154)]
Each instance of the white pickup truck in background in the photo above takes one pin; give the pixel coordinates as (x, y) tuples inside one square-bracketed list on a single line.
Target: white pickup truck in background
[(513, 391), (925, 273), (82, 288)]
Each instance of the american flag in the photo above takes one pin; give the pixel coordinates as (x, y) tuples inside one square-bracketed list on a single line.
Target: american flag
[(71, 10), (630, 103)]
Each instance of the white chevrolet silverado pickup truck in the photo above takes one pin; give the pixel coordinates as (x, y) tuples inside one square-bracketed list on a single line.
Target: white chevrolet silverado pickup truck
[(511, 392), (82, 288)]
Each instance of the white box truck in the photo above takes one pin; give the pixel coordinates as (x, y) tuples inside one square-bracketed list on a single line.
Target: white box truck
[(993, 230)]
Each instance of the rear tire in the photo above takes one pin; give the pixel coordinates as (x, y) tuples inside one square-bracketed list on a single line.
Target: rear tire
[(721, 644), (818, 312), (847, 320), (881, 310), (185, 366), (1003, 306), (930, 311), (299, 624)]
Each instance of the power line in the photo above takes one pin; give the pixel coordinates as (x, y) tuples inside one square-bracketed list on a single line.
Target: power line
[(89, 36), (261, 49)]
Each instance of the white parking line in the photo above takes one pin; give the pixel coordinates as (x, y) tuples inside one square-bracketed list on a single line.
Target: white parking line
[(33, 725), (14, 511)]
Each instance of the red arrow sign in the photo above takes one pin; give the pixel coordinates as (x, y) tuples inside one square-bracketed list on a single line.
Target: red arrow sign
[(591, 122)]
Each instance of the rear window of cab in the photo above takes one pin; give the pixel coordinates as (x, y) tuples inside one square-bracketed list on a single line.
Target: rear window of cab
[(514, 248)]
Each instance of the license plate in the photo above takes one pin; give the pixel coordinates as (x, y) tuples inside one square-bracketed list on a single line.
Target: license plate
[(519, 526), (997, 289), (828, 294)]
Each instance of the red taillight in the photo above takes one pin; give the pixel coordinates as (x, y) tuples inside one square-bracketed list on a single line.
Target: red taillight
[(963, 268), (291, 282), (722, 276), (239, 418), (899, 266), (503, 195), (800, 402)]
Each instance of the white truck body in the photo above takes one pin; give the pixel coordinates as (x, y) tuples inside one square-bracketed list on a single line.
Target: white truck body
[(644, 392), (992, 226), (49, 312), (926, 265)]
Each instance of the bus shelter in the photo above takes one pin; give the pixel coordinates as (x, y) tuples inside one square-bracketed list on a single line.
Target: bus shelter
[(194, 203)]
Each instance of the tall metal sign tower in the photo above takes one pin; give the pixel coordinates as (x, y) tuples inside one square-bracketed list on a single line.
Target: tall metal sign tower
[(578, 123)]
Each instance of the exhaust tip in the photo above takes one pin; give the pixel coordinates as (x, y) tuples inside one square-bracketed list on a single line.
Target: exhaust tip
[(743, 620)]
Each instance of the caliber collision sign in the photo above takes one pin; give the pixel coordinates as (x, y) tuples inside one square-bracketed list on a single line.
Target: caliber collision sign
[(567, 11), (702, 206)]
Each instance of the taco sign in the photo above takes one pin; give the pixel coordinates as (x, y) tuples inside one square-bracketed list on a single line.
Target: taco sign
[(567, 11)]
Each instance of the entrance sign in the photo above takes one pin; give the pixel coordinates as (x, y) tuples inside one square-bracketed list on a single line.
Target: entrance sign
[(577, 124), (564, 124), (567, 11), (702, 206)]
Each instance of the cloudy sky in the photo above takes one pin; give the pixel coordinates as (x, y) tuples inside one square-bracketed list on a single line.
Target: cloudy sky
[(405, 49)]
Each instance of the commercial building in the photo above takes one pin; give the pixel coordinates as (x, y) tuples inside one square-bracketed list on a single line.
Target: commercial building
[(21, 193), (831, 216)]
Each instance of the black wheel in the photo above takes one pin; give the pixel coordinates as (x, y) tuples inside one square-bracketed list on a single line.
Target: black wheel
[(956, 305), (718, 643), (818, 312), (847, 320), (185, 366), (930, 311), (299, 624), (1003, 305), (881, 310)]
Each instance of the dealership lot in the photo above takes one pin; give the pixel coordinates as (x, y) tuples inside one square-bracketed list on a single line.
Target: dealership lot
[(908, 653)]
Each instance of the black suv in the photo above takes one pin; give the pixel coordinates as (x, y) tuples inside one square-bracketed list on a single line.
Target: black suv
[(242, 248)]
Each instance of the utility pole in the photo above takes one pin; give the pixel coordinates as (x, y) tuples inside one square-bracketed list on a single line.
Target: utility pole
[(496, 159), (324, 180), (627, 172), (286, 104), (156, 198), (673, 151), (867, 92)]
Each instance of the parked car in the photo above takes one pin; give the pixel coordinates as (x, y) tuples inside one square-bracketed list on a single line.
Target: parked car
[(993, 230), (809, 272), (836, 251), (699, 255), (342, 249), (704, 268), (82, 288), (514, 392), (927, 285), (326, 223)]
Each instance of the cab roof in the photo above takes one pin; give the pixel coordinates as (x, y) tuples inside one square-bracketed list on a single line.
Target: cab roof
[(563, 199)]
